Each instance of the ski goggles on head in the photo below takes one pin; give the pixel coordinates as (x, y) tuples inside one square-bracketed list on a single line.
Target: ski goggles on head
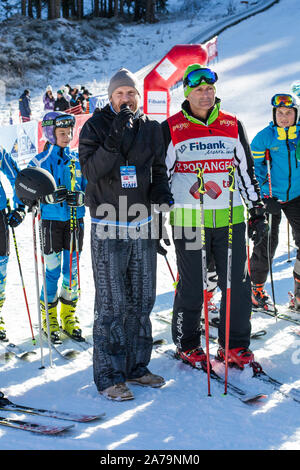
[(194, 78), (284, 100), (60, 121)]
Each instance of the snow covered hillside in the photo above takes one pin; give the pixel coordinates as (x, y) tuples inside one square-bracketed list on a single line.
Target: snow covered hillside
[(257, 58), (65, 51)]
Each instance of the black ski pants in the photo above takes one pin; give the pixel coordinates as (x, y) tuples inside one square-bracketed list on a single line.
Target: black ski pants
[(125, 286), (188, 302), (259, 263)]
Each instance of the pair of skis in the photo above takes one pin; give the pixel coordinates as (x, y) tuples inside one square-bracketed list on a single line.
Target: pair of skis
[(278, 315), (16, 351), (241, 393), (7, 405), (213, 322), (65, 353), (232, 389)]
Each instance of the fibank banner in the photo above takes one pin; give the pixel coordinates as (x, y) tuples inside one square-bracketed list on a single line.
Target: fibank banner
[(157, 102)]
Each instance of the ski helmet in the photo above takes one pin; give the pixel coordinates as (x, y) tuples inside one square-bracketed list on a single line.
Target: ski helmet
[(55, 119), (32, 184), (285, 100), (295, 87)]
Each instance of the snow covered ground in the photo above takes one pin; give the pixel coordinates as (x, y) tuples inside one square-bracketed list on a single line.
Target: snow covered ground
[(257, 58)]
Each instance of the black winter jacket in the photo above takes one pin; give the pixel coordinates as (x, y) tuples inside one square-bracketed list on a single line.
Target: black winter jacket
[(61, 104), (142, 146), (24, 105)]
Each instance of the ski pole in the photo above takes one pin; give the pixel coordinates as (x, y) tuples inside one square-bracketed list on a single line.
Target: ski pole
[(77, 249), (229, 266), (36, 270), (161, 250), (171, 272), (289, 247), (267, 156), (248, 244), (74, 230), (44, 280), (71, 246), (201, 190), (21, 276)]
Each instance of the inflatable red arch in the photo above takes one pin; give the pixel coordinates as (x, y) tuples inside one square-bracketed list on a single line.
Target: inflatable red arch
[(168, 72)]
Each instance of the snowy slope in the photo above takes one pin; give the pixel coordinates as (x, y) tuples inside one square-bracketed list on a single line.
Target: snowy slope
[(257, 58), (140, 44)]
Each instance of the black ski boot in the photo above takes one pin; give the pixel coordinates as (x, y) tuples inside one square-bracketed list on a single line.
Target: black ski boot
[(295, 298), (260, 298)]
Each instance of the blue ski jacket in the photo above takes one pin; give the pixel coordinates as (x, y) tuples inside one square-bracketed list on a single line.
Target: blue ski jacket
[(10, 169), (57, 161), (284, 146)]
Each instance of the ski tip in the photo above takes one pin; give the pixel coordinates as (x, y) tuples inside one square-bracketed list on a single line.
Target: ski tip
[(87, 418), (258, 334), (160, 341), (71, 354), (28, 355), (52, 430), (254, 398), (6, 356)]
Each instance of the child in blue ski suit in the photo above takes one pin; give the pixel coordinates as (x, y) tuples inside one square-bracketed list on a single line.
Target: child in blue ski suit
[(10, 169), (282, 138), (61, 212)]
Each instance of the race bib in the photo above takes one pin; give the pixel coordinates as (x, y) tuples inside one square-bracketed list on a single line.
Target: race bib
[(128, 176)]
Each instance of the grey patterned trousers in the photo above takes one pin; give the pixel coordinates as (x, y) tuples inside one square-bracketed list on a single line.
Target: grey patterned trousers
[(125, 283)]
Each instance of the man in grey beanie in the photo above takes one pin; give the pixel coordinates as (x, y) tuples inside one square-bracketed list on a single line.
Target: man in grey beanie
[(121, 154), (122, 78)]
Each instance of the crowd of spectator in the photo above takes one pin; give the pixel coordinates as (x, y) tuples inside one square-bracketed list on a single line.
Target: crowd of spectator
[(73, 100)]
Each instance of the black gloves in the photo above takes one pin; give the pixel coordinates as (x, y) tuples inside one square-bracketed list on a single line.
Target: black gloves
[(272, 205), (124, 118), (15, 217), (61, 194), (257, 226), (75, 198), (160, 249)]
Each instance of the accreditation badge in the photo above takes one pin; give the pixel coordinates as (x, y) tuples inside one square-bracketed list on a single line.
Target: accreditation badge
[(128, 176)]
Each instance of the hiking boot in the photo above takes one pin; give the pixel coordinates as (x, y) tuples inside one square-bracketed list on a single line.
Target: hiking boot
[(194, 357), (53, 323), (260, 298), (69, 321), (118, 392), (148, 380)]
